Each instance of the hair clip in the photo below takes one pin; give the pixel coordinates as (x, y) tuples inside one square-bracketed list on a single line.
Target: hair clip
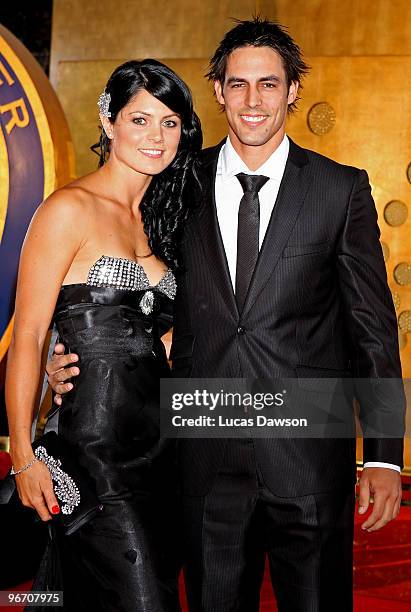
[(104, 104)]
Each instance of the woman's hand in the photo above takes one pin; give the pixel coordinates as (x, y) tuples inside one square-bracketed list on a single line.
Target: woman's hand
[(35, 488)]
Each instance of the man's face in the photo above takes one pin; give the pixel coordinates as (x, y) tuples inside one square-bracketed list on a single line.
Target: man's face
[(255, 96)]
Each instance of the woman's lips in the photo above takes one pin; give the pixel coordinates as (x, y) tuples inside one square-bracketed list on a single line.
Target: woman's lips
[(152, 153)]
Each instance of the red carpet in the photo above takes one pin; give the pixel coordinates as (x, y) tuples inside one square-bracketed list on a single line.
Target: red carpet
[(5, 464), (382, 568), (362, 603), (382, 564)]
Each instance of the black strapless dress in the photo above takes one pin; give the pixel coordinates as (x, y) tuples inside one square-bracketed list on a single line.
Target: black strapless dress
[(125, 559)]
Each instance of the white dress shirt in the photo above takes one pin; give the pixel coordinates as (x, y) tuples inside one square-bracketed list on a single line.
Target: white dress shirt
[(228, 194)]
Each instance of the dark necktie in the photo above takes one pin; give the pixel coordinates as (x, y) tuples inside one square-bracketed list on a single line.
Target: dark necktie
[(248, 233)]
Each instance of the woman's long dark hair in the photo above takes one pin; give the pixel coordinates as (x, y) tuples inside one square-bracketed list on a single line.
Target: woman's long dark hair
[(163, 207)]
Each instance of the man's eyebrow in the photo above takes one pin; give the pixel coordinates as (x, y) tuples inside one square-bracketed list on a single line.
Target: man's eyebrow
[(270, 77), (234, 79)]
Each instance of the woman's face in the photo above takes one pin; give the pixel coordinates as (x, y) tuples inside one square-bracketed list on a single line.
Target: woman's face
[(145, 135)]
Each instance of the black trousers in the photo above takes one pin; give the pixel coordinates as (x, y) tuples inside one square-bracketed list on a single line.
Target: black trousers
[(228, 533)]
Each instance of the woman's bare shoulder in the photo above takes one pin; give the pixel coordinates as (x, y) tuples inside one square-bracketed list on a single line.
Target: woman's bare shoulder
[(73, 201)]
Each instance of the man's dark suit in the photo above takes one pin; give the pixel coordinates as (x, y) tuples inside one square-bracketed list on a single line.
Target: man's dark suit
[(318, 306)]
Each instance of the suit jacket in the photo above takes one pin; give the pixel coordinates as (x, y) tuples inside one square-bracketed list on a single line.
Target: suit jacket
[(318, 306)]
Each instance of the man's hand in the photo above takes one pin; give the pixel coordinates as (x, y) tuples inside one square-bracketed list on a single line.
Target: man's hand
[(384, 485), (59, 372)]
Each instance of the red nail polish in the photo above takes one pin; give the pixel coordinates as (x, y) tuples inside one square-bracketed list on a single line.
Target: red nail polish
[(55, 509)]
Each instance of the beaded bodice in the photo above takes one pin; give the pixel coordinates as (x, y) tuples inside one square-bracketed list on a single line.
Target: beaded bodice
[(121, 273)]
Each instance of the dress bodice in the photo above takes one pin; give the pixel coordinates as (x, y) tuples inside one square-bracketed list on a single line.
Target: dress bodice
[(123, 288), (122, 273)]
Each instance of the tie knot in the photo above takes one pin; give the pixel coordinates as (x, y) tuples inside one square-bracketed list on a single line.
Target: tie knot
[(252, 182)]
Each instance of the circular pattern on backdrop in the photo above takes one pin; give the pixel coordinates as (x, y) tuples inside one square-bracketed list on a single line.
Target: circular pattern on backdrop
[(385, 250), (321, 118), (395, 213), (402, 273), (396, 299), (409, 172), (404, 321)]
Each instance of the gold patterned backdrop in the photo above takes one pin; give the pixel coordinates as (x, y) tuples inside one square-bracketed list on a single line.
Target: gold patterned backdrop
[(355, 106)]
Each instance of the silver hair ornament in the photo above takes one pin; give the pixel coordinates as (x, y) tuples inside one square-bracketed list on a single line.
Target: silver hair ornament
[(104, 104)]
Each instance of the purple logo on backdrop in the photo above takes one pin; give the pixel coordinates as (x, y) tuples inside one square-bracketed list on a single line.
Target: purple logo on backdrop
[(21, 178)]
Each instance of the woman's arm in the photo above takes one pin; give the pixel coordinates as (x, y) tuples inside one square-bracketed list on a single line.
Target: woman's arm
[(53, 239)]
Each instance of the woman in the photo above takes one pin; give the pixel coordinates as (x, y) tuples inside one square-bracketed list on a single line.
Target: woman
[(99, 259)]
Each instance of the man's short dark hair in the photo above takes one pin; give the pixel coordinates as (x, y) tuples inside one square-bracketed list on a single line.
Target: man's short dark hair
[(259, 33)]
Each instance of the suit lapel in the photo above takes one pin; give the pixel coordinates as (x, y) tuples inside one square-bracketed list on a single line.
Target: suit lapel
[(291, 194), (209, 230)]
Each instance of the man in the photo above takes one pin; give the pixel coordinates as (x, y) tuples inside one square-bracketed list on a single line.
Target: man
[(284, 277)]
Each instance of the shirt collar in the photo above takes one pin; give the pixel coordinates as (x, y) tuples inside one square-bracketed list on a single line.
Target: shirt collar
[(230, 163)]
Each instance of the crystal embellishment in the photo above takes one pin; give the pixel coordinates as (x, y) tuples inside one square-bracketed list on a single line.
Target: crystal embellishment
[(104, 104), (65, 489), (121, 273), (147, 303), (168, 284)]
